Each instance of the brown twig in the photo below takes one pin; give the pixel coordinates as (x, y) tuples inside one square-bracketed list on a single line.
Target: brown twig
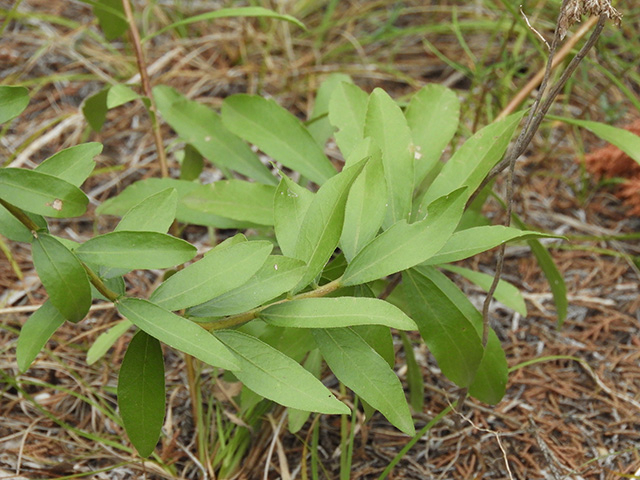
[(534, 119), (146, 88)]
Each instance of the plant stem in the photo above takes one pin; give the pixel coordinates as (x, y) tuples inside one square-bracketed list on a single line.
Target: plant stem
[(99, 284), (20, 215), (33, 227), (239, 319), (146, 88)]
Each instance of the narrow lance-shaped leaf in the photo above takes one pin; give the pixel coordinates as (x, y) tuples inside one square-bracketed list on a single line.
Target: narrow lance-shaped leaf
[(318, 124), (491, 379), (133, 250), (201, 127), (414, 374), (73, 164), (290, 205), (155, 213), (41, 193), (120, 94), (506, 293), (111, 17), (441, 300), (297, 418), (554, 277), (14, 229), (35, 333), (177, 332), (278, 275), (387, 126), (94, 109), (106, 340), (63, 276), (433, 115), (13, 101), (347, 111), (473, 160), (625, 140), (466, 243), (277, 133), (229, 12), (138, 191), (141, 393), (235, 199), (402, 246), (277, 377), (359, 367), (366, 207), (336, 312), (322, 226), (216, 273), (449, 334)]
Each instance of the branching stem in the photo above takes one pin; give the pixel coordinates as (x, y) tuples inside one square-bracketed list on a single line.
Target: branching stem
[(235, 320)]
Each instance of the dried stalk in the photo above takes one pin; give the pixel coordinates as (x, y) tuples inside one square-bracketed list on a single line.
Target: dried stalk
[(146, 88), (570, 12)]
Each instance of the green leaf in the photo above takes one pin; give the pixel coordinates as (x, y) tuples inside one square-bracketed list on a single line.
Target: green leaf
[(229, 12), (365, 209), (433, 115), (506, 293), (347, 112), (177, 332), (277, 276), (133, 250), (336, 312), (554, 277), (466, 243), (625, 140), (63, 276), (318, 124), (94, 109), (270, 373), (138, 191), (153, 214), (446, 328), (360, 368), (120, 94), (13, 101), (216, 273), (452, 329), (414, 375), (387, 126), (290, 205), (490, 383), (35, 333), (111, 17), (380, 339), (402, 246), (235, 199), (141, 393), (106, 340), (192, 163), (41, 193), (473, 160), (14, 229), (201, 127), (277, 133), (297, 418), (322, 225), (73, 164)]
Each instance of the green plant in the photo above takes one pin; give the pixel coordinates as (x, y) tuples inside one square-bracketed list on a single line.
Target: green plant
[(322, 279)]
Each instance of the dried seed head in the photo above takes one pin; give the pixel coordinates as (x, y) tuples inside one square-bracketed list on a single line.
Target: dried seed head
[(575, 9)]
